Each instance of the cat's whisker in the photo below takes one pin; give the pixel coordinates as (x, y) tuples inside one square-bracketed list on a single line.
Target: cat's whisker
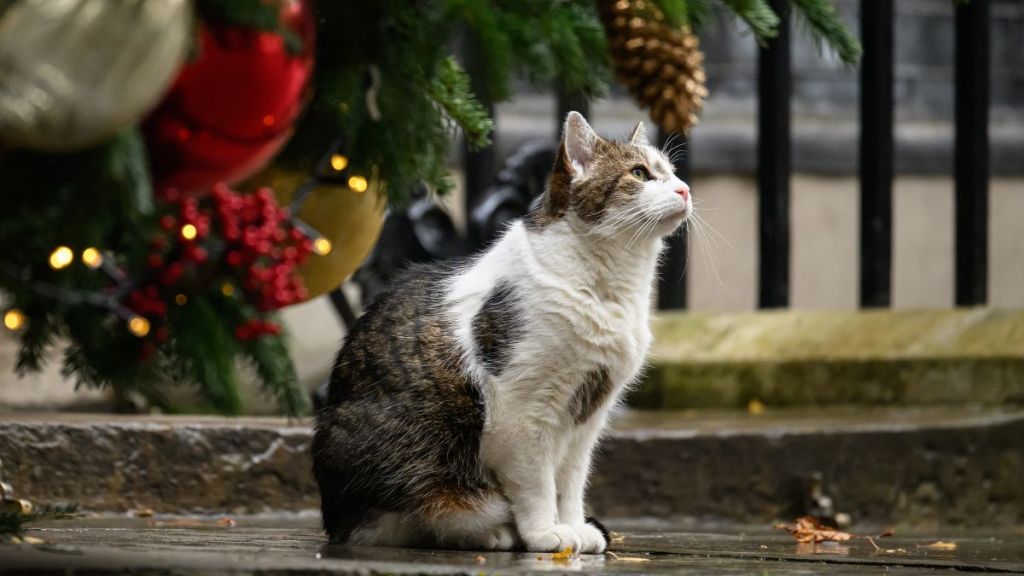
[(706, 247)]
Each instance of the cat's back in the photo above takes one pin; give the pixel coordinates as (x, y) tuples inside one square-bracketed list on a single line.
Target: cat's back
[(403, 341)]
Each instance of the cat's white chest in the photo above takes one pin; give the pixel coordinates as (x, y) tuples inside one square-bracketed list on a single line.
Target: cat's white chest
[(615, 331)]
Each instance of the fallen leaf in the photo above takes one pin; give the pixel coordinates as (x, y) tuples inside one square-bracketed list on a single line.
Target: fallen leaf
[(809, 529), (616, 538), (143, 512), (225, 521), (941, 545), (627, 558), (32, 540), (563, 555)]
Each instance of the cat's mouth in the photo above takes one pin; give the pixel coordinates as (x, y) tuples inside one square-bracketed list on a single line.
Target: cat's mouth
[(679, 214)]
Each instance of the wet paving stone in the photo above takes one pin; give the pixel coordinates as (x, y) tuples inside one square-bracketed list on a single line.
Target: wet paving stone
[(294, 546)]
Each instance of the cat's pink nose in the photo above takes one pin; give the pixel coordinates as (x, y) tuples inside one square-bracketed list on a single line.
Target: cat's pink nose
[(683, 191)]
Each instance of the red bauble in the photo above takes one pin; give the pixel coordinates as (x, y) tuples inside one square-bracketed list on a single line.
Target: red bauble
[(232, 108)]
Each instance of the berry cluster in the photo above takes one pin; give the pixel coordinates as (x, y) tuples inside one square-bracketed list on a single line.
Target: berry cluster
[(220, 241), (261, 246)]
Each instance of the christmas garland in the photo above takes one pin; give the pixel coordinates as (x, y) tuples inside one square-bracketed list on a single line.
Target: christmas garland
[(120, 239)]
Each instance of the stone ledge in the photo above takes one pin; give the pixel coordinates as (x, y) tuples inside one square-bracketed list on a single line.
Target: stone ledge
[(796, 358), (912, 467)]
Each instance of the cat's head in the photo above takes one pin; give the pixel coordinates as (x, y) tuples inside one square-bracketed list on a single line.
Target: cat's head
[(613, 189)]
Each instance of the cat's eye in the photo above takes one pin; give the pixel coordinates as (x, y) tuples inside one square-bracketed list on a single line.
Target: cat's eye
[(641, 174)]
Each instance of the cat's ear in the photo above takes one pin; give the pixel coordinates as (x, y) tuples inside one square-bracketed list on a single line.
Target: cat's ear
[(579, 141), (639, 135)]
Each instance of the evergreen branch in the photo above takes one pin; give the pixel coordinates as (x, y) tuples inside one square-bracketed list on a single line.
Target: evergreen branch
[(828, 27), (451, 92), (258, 15), (269, 356), (759, 16)]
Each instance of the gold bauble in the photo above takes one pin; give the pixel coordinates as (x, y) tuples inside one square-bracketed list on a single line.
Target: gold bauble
[(75, 72), (351, 221)]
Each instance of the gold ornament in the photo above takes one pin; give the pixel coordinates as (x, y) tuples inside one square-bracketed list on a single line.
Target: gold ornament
[(348, 220), (662, 66), (74, 72)]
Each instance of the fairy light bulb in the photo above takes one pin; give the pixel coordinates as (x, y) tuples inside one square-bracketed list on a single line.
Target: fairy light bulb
[(180, 299), (227, 289), (358, 184), (61, 257), (92, 258), (14, 319), (138, 326), (189, 231), (322, 246), (338, 162)]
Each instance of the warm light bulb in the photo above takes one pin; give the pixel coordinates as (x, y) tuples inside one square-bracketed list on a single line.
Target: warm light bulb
[(138, 326), (188, 231), (14, 319), (61, 257), (338, 162), (227, 289), (181, 299), (358, 184), (322, 246), (92, 258)]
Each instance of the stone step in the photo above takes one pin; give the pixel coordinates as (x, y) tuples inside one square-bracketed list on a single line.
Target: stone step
[(914, 467), (813, 358)]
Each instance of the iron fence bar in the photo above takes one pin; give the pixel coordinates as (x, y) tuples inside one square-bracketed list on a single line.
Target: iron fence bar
[(971, 150), (672, 273), (876, 152), (479, 166), (773, 163), (567, 102)]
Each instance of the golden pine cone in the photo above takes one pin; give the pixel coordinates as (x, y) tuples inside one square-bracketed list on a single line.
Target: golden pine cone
[(662, 66)]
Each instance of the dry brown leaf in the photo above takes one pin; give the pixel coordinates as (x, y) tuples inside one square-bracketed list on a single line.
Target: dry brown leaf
[(616, 538), (627, 558), (563, 555), (32, 540), (143, 512), (809, 529), (941, 545)]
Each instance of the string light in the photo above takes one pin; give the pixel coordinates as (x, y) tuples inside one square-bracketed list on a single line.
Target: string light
[(358, 184), (181, 299), (322, 246), (189, 231), (138, 326), (227, 289), (92, 258), (338, 162), (14, 319), (61, 257)]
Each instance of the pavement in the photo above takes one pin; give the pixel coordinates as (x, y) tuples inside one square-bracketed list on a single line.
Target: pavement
[(293, 545)]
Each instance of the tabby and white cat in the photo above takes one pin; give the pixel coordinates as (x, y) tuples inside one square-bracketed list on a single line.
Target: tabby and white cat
[(465, 404)]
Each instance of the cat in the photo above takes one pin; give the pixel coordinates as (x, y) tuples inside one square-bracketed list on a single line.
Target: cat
[(465, 404)]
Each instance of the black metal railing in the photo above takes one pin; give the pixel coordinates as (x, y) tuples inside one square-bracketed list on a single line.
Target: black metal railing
[(493, 195)]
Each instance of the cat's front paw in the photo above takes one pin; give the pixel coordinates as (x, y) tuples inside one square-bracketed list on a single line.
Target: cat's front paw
[(592, 541), (554, 539)]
